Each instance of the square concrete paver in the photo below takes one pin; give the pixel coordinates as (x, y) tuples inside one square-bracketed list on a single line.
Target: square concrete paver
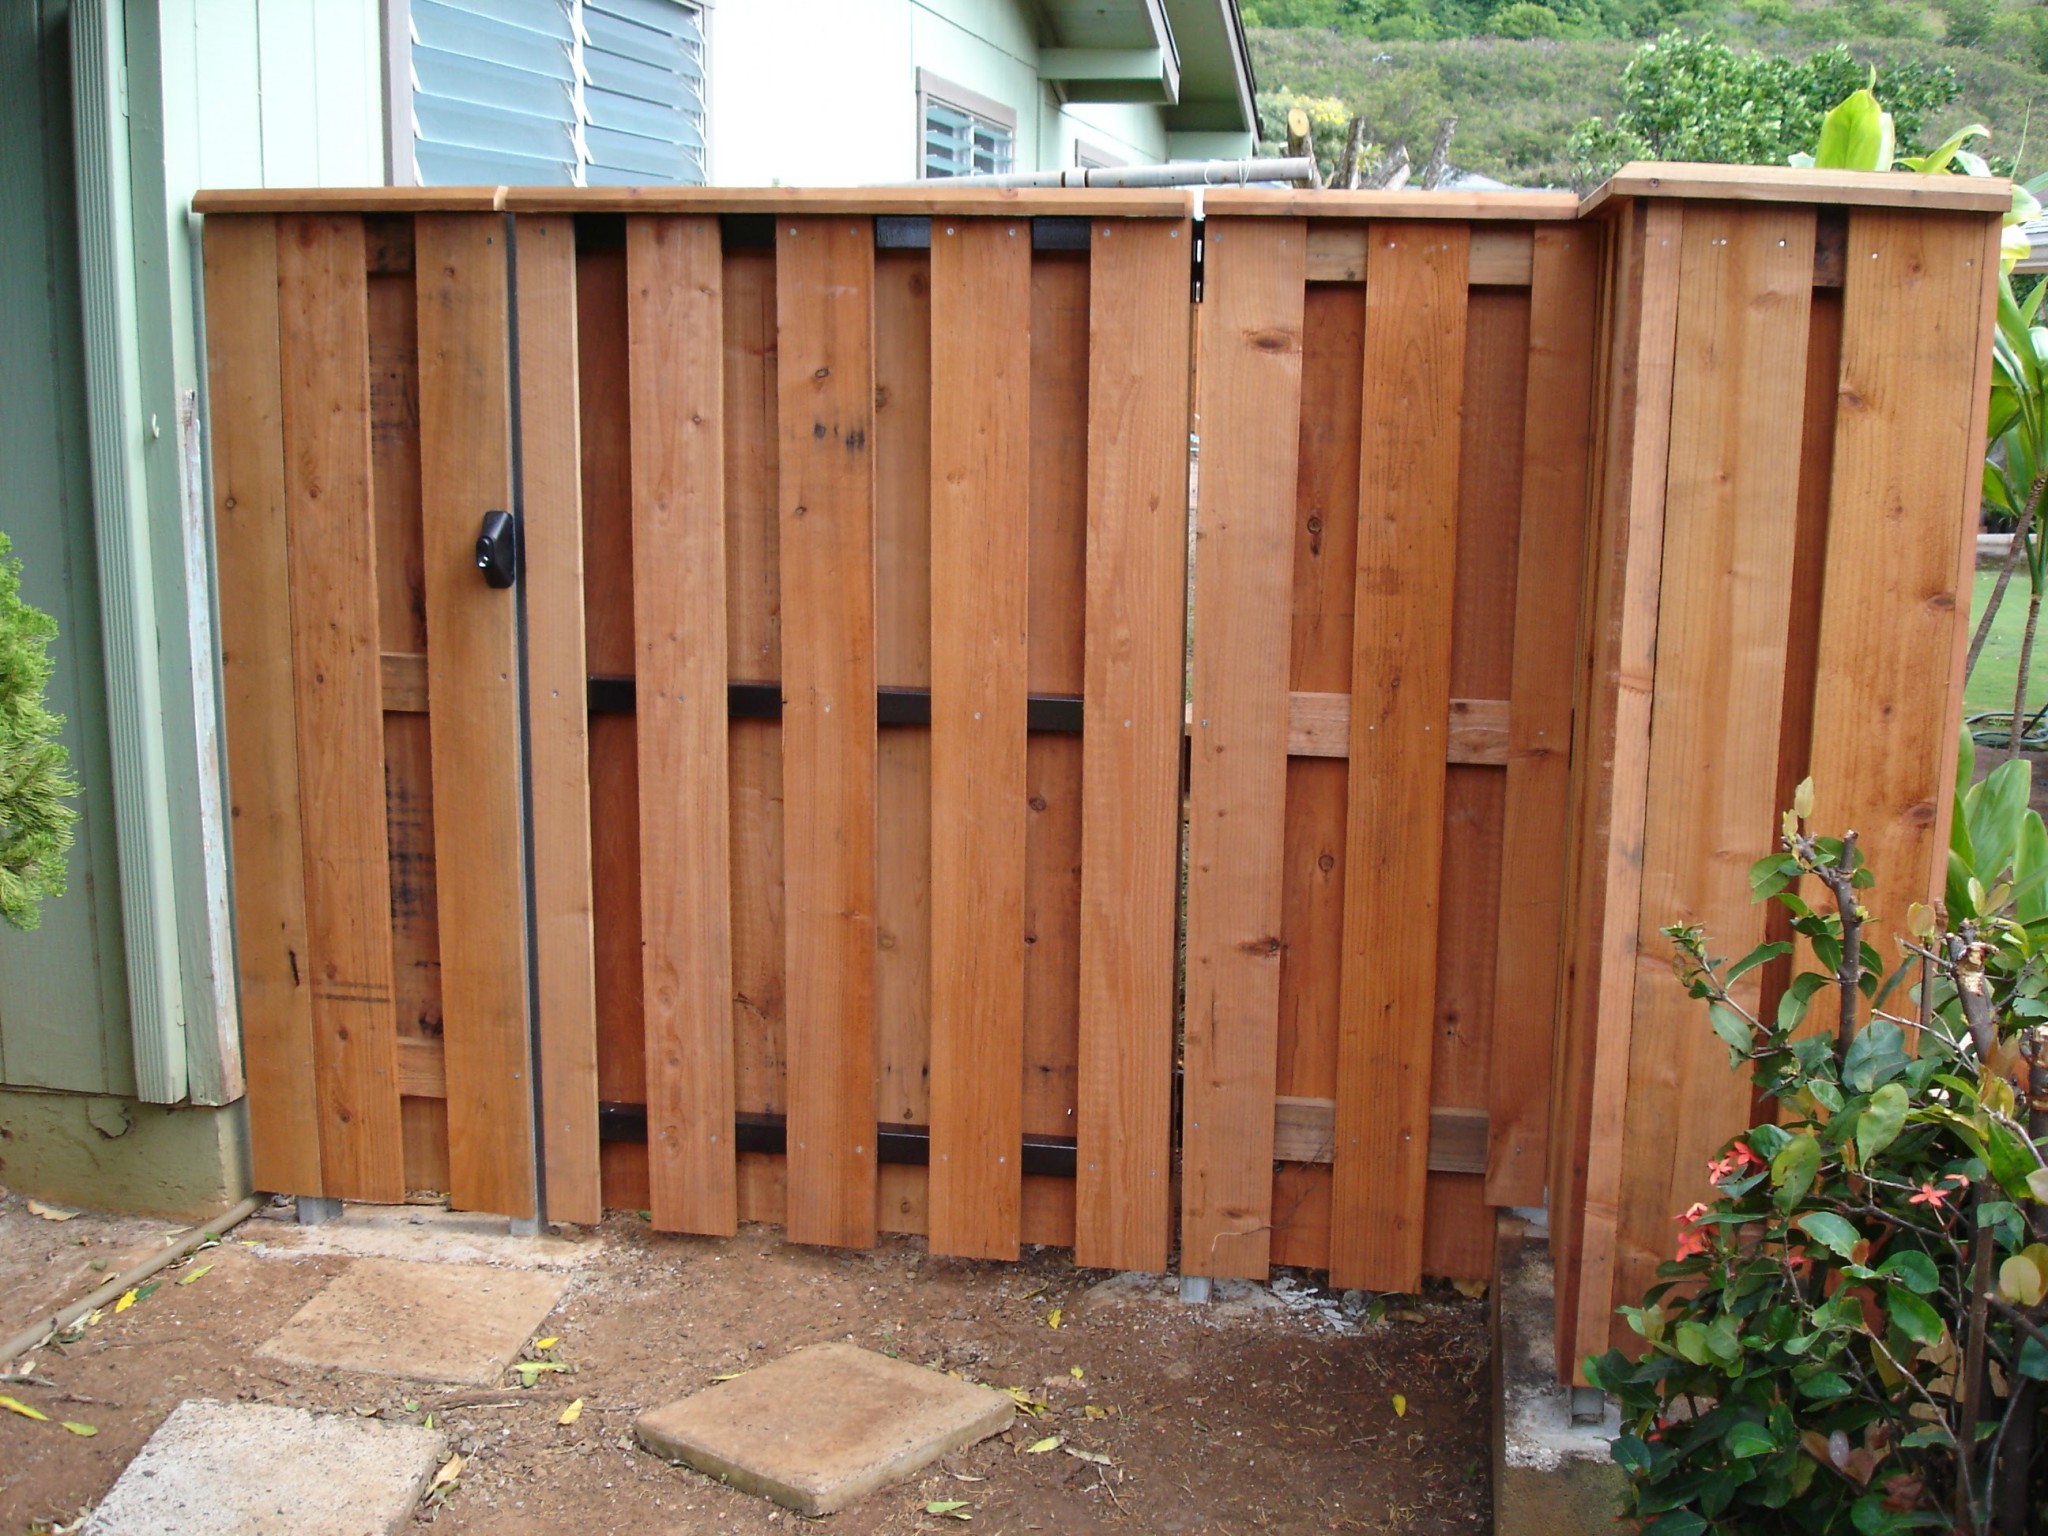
[(824, 1426), (252, 1469), (432, 1322)]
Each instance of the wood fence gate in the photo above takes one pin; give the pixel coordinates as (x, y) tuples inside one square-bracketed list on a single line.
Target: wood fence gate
[(861, 814)]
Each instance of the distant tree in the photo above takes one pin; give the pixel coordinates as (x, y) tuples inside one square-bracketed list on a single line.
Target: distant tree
[(1969, 21), (1692, 98), (35, 778), (1524, 19)]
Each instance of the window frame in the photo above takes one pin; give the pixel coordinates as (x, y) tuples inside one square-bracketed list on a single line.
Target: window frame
[(936, 88), (401, 167), (1092, 157)]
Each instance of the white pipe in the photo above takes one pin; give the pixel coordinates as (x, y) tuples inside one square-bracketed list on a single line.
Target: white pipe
[(40, 1330), (1185, 173)]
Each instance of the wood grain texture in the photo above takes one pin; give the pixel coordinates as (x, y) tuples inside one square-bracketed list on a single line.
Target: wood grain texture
[(902, 451), (1502, 255), (675, 319), (1305, 1131), (551, 496), (1058, 581), (473, 692), (1137, 574), (252, 564), (824, 298), (603, 385), (1785, 184), (323, 348), (754, 653), (980, 650), (1248, 407), (1746, 282), (1557, 443), (1401, 656), (1890, 607), (1617, 638)]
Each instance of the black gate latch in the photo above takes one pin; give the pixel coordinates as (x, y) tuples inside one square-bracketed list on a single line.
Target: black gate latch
[(497, 549)]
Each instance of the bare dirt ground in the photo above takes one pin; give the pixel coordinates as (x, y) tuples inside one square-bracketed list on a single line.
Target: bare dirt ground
[(1282, 1414)]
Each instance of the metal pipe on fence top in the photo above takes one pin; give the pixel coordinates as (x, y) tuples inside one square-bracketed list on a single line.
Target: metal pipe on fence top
[(1185, 173)]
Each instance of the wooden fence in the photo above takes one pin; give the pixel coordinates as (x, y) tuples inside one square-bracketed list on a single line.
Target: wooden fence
[(766, 796)]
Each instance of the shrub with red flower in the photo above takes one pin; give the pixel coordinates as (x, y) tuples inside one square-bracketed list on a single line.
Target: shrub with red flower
[(1808, 1359)]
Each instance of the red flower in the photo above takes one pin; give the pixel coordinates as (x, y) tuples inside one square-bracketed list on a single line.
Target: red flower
[(1936, 1197), (1738, 1161), (1692, 1238)]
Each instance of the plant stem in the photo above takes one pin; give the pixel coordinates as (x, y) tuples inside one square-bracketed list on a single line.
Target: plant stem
[(2019, 689), (1975, 1379), (1840, 879), (2012, 560)]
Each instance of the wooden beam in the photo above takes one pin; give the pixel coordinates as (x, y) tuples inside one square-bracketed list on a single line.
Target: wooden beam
[(324, 349), (1130, 829), (1502, 255), (675, 326), (251, 555), (824, 292), (1305, 1131), (1401, 657), (980, 653), (1248, 397), (473, 694)]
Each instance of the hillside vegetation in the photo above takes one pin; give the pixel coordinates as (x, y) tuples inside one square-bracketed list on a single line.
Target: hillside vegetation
[(1520, 76)]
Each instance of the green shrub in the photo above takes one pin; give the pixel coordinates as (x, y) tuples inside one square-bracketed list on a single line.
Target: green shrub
[(1524, 20), (35, 779), (1808, 1356), (1968, 22)]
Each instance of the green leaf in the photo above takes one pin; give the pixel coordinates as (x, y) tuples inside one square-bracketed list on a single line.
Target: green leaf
[(1824, 1386), (1794, 1169), (1915, 1318), (1913, 1269), (1829, 1230), (1856, 136), (1761, 955), (1747, 1439), (1881, 1121), (1732, 1027), (1876, 1055), (1677, 1522)]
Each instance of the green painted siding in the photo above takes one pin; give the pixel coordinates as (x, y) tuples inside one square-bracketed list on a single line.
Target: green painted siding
[(63, 994)]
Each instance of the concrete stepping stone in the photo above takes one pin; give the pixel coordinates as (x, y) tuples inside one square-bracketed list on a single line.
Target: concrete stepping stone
[(428, 1322), (254, 1469), (824, 1426)]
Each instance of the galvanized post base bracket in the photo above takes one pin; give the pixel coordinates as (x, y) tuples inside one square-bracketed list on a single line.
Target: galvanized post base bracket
[(313, 1210), (524, 1226), (1195, 1288)]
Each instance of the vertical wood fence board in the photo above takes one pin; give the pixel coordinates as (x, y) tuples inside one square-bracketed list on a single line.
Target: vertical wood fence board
[(825, 320), (1058, 604), (1802, 637), (1324, 589), (754, 653), (473, 686), (675, 321), (1971, 447), (1891, 607), (252, 561), (603, 386), (1746, 277), (1556, 444), (323, 345), (1484, 627), (1627, 561), (1137, 575), (402, 629), (1249, 404), (902, 451), (980, 657), (1400, 716), (551, 496)]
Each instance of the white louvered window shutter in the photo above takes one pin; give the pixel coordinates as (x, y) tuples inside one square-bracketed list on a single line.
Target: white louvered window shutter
[(557, 92), (962, 143)]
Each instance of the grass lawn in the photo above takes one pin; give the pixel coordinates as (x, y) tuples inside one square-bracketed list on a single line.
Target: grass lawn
[(1997, 671)]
